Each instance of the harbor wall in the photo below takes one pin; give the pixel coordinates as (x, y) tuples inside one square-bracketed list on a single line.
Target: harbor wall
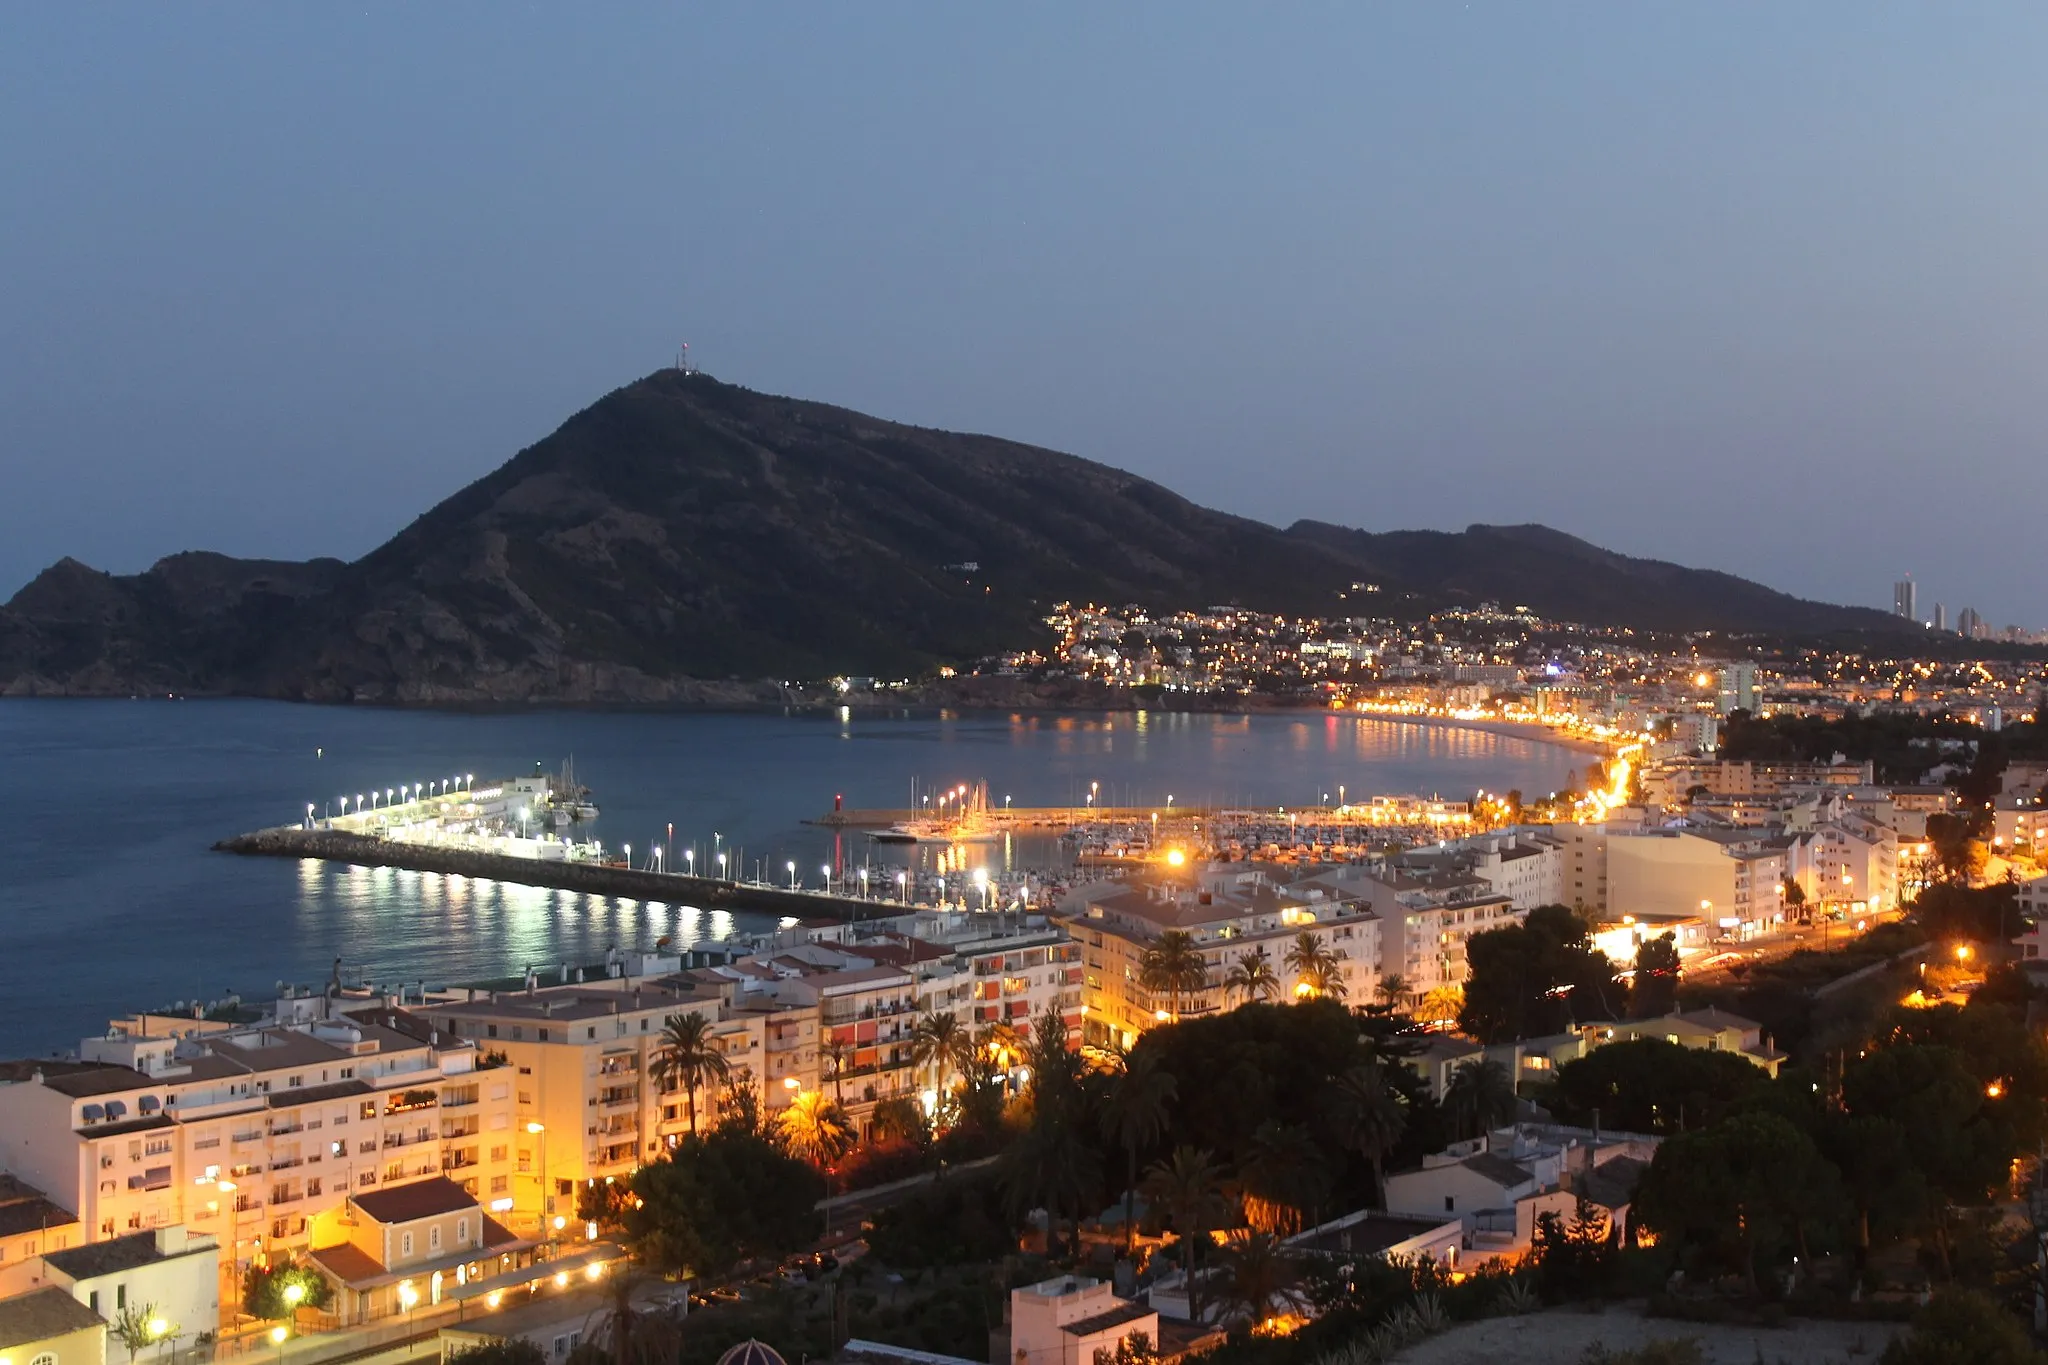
[(706, 893)]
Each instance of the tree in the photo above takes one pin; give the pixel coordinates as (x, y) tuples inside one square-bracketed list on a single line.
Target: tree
[(1259, 1277), (278, 1290), (1135, 1118), (1795, 899), (1747, 1188), (1648, 1085), (1964, 1327), (835, 1054), (901, 1119), (1951, 1126), (1283, 1177), (1481, 1095), (1535, 978), (1317, 965), (1369, 1119), (1440, 1005), (739, 1107), (140, 1325), (687, 1057), (937, 1041), (1133, 1348), (1392, 990), (720, 1199), (816, 1128), (1054, 1165), (1252, 977), (1188, 1185), (1655, 991), (1173, 966)]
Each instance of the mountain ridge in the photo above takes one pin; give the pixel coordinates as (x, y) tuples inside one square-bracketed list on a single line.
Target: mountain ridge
[(682, 539)]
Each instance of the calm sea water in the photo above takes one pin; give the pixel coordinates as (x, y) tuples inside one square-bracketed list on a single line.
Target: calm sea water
[(110, 899)]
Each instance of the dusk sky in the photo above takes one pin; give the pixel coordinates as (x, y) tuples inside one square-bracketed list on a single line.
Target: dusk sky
[(1755, 287)]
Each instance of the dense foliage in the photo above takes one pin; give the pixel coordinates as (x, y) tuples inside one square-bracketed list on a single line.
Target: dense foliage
[(719, 1199)]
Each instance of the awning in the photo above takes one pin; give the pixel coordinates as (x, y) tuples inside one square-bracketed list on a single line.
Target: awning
[(576, 1265)]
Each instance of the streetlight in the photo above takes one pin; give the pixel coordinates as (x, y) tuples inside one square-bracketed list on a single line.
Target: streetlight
[(690, 861), (547, 1195), (628, 850), (721, 866), (792, 874), (827, 869), (901, 880)]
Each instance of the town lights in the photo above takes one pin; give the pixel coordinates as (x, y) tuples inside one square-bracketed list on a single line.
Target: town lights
[(278, 1334)]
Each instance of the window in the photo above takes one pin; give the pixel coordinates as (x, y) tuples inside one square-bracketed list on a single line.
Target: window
[(544, 1036), (462, 1232), (46, 1358), (405, 1244), (120, 1297), (92, 1300), (434, 1237), (491, 1029), (497, 1153), (1449, 1204), (590, 1033), (500, 1184)]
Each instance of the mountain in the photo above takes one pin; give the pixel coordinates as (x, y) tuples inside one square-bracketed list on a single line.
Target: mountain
[(685, 539)]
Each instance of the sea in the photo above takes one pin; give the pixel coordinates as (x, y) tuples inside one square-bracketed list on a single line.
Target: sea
[(111, 899)]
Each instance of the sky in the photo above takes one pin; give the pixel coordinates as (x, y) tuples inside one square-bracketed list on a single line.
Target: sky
[(1757, 287)]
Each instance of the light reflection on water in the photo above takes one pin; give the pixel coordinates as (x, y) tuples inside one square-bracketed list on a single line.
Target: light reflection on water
[(110, 899)]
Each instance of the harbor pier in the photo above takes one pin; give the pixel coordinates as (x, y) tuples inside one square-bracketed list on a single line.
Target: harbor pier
[(595, 878)]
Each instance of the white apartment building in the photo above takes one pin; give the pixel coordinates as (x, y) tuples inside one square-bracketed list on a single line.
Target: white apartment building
[(1731, 878), (1585, 873), (245, 1135), (1851, 864), (1427, 919)]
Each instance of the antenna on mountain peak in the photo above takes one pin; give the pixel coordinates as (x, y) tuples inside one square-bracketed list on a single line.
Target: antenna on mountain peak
[(683, 360)]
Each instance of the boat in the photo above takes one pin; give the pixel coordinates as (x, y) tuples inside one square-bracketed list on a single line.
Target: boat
[(932, 832)]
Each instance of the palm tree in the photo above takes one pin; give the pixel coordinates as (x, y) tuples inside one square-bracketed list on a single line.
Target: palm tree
[(817, 1129), (1000, 1043), (1189, 1186), (1252, 977), (1370, 1119), (1482, 1094), (1440, 1005), (1283, 1177), (1392, 990), (1135, 1117), (1320, 967), (1259, 1277), (1175, 966), (687, 1057), (940, 1043), (835, 1054)]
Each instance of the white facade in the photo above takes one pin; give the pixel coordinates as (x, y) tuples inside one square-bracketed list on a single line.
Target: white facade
[(168, 1272)]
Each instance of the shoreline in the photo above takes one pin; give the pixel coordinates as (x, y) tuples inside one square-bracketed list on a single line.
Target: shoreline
[(906, 709)]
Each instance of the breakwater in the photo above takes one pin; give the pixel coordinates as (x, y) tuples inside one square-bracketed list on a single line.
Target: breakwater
[(599, 879)]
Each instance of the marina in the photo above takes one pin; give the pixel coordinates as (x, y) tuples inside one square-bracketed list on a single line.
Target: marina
[(108, 882)]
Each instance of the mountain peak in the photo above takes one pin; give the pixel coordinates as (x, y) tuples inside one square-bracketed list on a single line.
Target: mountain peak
[(681, 529)]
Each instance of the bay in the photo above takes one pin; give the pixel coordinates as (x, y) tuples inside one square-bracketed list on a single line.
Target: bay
[(110, 899)]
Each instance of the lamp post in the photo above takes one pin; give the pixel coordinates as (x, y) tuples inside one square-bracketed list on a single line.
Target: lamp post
[(721, 867), (547, 1194), (792, 874)]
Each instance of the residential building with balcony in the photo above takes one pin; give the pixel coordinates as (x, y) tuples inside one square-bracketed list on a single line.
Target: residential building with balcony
[(247, 1135), (1227, 916), (581, 1057)]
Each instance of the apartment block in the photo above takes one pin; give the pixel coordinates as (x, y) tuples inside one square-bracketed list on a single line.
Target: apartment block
[(1117, 926), (1732, 878), (580, 1058), (245, 1135)]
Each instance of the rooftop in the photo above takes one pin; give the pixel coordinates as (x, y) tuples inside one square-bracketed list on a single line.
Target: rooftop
[(421, 1199), (1115, 1317), (1370, 1235), (42, 1314), (95, 1259)]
